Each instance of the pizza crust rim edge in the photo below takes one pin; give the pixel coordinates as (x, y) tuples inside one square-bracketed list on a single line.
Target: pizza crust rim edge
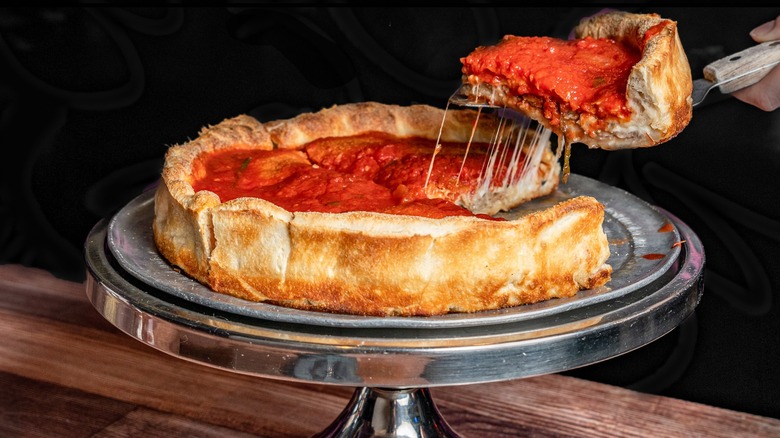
[(359, 263)]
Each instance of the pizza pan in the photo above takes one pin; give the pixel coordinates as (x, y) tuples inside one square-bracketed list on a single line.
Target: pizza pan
[(644, 244), (388, 357)]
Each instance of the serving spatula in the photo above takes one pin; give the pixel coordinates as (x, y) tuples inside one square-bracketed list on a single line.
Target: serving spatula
[(728, 74), (737, 71)]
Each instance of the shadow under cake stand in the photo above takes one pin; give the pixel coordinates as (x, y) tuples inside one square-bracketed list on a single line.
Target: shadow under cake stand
[(657, 281)]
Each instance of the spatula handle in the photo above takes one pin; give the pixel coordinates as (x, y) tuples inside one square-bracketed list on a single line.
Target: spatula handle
[(743, 68)]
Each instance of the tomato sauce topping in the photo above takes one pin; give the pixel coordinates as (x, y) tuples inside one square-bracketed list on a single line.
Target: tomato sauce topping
[(402, 164), (585, 75), (371, 172)]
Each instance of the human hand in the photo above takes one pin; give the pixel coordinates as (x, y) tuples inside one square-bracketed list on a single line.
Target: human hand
[(764, 94)]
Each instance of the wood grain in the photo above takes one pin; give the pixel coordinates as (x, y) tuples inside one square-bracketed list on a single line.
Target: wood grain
[(64, 371), (744, 68)]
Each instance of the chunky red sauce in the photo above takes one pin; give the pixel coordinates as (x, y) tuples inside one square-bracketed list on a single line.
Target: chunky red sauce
[(586, 75), (402, 164), (372, 172), (666, 228)]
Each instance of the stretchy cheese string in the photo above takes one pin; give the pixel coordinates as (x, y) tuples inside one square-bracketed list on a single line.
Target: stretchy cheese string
[(511, 135), (468, 146), (506, 146)]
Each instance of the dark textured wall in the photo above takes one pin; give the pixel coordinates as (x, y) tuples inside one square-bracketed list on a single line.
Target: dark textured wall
[(90, 98)]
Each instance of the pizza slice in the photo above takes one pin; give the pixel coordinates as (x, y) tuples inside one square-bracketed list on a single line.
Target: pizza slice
[(623, 82)]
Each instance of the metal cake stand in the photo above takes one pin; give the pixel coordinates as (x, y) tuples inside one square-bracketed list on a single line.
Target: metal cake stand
[(392, 362)]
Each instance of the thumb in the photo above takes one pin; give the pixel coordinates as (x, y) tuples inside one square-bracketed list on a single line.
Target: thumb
[(767, 32)]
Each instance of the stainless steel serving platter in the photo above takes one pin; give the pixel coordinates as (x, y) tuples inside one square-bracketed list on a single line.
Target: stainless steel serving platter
[(643, 242), (387, 356)]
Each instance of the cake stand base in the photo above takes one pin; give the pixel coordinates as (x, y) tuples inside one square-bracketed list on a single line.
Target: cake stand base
[(375, 412)]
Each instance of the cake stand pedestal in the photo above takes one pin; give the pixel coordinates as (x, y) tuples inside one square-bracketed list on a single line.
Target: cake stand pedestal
[(389, 413)]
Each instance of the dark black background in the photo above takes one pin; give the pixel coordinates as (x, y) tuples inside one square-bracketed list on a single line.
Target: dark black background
[(91, 98)]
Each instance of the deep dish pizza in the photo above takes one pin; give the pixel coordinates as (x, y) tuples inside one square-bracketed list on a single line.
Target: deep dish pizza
[(623, 82), (375, 209)]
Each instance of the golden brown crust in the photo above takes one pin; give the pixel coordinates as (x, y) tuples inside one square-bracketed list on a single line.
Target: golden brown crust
[(362, 262), (360, 265), (658, 91)]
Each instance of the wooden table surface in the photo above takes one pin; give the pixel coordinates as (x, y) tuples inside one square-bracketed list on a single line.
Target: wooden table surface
[(67, 372)]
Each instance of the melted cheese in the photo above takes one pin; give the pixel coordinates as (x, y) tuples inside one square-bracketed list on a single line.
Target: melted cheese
[(513, 165)]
